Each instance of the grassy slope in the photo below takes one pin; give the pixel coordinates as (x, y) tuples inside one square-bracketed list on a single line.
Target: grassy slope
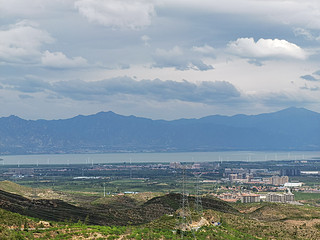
[(242, 221), (16, 226), (306, 196), (279, 221), (234, 226), (15, 188)]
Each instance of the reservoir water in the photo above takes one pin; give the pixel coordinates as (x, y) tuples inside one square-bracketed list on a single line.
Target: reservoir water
[(106, 158)]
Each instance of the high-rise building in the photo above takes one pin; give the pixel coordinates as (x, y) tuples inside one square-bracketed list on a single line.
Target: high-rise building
[(278, 197), (276, 180), (290, 172), (250, 198), (233, 177)]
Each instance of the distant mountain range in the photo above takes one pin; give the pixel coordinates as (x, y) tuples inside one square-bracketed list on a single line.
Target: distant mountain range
[(289, 129)]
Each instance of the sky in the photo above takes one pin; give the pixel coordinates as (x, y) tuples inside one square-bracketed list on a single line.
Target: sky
[(160, 59)]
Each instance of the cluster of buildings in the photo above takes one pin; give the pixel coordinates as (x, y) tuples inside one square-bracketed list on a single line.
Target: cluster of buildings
[(178, 165), (278, 180), (280, 197), (249, 178), (287, 197), (259, 177), (19, 172), (250, 198)]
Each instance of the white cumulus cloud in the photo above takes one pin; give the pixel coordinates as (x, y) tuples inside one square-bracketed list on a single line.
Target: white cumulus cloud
[(21, 42), (182, 59), (205, 50), (60, 60), (266, 48), (132, 14)]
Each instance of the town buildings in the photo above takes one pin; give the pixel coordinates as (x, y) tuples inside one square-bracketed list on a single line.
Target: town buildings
[(278, 197), (250, 198), (277, 180)]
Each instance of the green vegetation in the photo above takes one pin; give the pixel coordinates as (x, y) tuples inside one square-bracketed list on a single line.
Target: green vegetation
[(234, 226), (18, 227), (56, 203), (306, 196)]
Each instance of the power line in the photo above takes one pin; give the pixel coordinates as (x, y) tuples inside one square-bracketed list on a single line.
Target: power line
[(185, 216)]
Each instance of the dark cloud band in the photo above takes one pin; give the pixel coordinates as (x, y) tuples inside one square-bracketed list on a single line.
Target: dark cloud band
[(204, 92)]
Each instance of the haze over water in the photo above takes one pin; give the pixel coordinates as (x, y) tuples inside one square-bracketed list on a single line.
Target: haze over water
[(106, 158)]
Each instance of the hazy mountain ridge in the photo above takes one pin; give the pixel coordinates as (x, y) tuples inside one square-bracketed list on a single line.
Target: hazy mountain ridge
[(288, 129)]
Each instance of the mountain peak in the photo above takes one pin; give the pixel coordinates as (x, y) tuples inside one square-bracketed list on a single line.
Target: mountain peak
[(106, 113), (288, 129), (296, 110), (13, 117)]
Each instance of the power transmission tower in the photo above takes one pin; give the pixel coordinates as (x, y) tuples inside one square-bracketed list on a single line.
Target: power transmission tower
[(185, 216), (199, 207), (184, 198)]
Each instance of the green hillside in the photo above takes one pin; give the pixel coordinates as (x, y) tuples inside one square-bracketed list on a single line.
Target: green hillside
[(153, 216)]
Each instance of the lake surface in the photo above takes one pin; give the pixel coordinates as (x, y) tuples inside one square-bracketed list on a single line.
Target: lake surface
[(156, 157)]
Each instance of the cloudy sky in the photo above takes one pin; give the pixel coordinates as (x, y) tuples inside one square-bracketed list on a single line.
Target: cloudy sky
[(162, 59)]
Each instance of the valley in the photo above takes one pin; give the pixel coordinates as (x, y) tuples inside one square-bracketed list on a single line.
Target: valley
[(152, 201)]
